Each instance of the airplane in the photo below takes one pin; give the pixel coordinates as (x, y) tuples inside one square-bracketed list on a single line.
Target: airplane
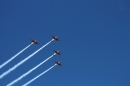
[(34, 41), (57, 52), (55, 38), (58, 63)]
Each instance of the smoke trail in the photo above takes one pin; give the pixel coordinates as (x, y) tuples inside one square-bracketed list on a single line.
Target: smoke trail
[(24, 60), (38, 76), (1, 66), (25, 74)]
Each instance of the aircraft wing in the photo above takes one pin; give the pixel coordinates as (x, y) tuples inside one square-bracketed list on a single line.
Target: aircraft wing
[(57, 39), (60, 64)]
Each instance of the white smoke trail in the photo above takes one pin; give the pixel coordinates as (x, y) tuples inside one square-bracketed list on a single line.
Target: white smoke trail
[(5, 63), (25, 74), (24, 60), (38, 76)]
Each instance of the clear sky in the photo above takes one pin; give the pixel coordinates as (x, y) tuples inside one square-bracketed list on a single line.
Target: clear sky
[(94, 41)]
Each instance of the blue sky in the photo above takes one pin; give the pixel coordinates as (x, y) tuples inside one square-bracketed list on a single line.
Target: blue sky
[(94, 41)]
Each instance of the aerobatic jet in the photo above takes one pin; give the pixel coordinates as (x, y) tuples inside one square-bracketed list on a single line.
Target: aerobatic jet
[(34, 41), (55, 38), (57, 52), (58, 63)]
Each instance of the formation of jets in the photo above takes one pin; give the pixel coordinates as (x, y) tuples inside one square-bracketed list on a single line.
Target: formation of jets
[(36, 41), (57, 52)]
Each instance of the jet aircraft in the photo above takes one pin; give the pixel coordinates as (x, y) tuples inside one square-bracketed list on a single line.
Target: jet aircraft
[(58, 63), (55, 38), (57, 52), (34, 41)]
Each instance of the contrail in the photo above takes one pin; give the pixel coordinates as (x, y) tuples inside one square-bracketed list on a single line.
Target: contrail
[(25, 74), (38, 76), (24, 60), (5, 63)]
